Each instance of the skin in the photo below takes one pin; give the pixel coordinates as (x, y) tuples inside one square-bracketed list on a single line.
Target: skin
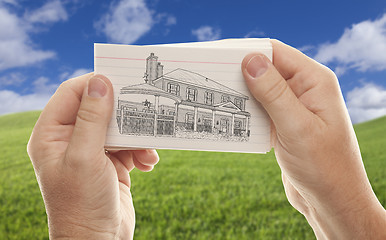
[(315, 144), (87, 191)]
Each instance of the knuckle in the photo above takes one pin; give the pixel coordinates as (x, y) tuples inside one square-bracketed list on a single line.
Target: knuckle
[(31, 149), (330, 74), (69, 85), (74, 159), (35, 148), (327, 74), (79, 160), (88, 114), (64, 85), (275, 92), (39, 153)]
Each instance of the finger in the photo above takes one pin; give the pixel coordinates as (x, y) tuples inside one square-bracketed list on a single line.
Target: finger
[(287, 60), (142, 167), (144, 160), (63, 106), (122, 171), (126, 158), (301, 72), (148, 157), (88, 138), (313, 83), (269, 87), (55, 120)]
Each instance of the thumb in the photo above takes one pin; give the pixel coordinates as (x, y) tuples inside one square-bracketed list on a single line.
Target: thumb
[(92, 120), (269, 87)]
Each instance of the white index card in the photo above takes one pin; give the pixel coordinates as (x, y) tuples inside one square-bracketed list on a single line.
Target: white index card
[(189, 96)]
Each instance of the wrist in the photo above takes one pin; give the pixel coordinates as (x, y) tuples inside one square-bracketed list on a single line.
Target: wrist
[(61, 230), (361, 218), (77, 233)]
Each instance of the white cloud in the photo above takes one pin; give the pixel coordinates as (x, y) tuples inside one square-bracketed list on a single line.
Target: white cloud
[(11, 2), (207, 33), (14, 102), (16, 46), (12, 79), (18, 53), (53, 11), (42, 90), (126, 21), (171, 20), (340, 70), (255, 33), (361, 47), (42, 86), (76, 73), (79, 72), (167, 18), (366, 102)]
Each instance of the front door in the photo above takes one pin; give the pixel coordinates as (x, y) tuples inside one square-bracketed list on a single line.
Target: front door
[(224, 125)]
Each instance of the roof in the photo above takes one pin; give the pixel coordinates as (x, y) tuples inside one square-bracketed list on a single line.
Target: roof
[(145, 88), (229, 105), (142, 86), (195, 79)]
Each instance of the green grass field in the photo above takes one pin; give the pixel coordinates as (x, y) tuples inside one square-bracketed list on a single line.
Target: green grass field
[(189, 195)]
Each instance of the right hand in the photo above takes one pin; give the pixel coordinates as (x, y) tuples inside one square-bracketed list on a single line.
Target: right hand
[(315, 144)]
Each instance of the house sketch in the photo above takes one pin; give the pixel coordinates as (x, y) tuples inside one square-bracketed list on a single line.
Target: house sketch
[(182, 103)]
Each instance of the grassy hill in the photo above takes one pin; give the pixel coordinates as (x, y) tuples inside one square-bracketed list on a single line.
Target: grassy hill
[(189, 195)]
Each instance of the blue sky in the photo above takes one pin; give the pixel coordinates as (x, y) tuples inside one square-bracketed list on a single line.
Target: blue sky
[(43, 43)]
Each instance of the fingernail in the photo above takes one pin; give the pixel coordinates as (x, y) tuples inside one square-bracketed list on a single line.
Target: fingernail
[(97, 88), (257, 66)]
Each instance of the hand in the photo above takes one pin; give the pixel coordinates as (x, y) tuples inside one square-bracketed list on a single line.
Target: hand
[(315, 144), (86, 191)]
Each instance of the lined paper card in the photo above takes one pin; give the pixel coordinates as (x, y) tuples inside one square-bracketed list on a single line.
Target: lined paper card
[(189, 96)]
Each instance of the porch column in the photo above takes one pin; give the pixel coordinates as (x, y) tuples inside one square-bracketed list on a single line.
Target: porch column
[(175, 118), (213, 120), (247, 125), (156, 114), (156, 103), (121, 121), (233, 125), (195, 119)]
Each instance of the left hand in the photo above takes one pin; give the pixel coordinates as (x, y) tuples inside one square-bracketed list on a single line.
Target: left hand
[(86, 191)]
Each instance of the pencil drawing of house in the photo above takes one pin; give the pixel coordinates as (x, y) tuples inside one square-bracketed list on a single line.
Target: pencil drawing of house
[(182, 103)]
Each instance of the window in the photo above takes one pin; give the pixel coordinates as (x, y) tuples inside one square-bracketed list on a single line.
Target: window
[(207, 121), (129, 108), (173, 88), (209, 98), (239, 103), (189, 118), (224, 125), (237, 124), (225, 98), (191, 94), (170, 112)]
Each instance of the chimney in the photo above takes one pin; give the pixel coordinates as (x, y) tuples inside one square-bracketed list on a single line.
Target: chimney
[(160, 69), (151, 68)]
